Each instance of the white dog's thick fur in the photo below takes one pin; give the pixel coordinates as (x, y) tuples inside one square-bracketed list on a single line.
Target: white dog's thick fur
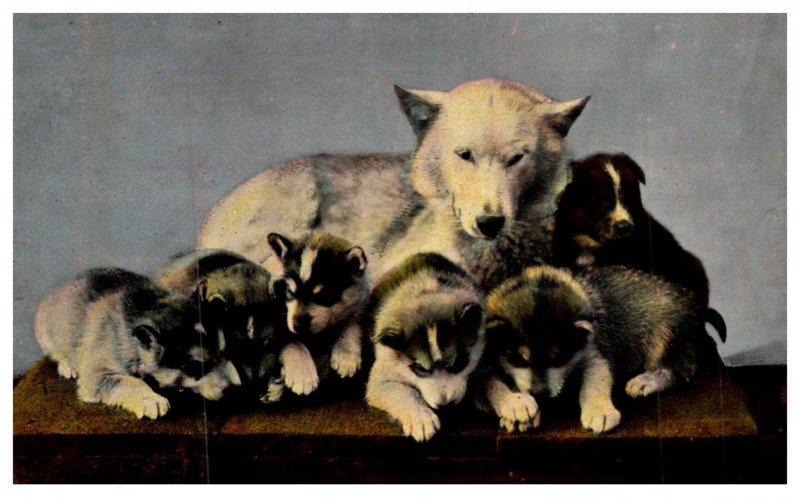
[(480, 190)]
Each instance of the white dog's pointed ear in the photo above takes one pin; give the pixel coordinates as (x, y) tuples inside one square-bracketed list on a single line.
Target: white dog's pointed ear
[(561, 115), (420, 106), (280, 244)]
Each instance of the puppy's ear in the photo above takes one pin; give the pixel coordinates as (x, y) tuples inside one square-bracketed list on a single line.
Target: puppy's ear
[(357, 260), (561, 115), (420, 106), (392, 338), (631, 165), (471, 316), (280, 244), (205, 295), (146, 334)]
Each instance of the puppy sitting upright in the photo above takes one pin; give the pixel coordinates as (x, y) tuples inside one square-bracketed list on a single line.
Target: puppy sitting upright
[(428, 337), (601, 221), (238, 305), (322, 279)]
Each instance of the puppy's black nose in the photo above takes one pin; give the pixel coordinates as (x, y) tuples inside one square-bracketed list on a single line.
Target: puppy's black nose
[(490, 226), (623, 228)]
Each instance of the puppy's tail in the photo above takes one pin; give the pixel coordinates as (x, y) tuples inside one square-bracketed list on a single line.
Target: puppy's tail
[(715, 319)]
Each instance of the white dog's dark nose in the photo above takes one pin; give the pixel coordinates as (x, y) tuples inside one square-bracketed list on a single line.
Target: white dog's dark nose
[(490, 226)]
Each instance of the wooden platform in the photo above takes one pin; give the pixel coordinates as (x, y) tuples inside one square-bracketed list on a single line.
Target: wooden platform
[(703, 433)]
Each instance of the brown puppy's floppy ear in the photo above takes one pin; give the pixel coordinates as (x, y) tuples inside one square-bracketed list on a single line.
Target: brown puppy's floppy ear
[(561, 115), (420, 106), (629, 163), (280, 244)]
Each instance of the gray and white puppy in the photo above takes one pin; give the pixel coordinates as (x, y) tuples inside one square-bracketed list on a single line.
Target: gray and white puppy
[(322, 279), (607, 324), (428, 338), (110, 329), (238, 305)]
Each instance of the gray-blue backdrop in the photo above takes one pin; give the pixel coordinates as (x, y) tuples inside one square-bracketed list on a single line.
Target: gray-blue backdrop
[(128, 128)]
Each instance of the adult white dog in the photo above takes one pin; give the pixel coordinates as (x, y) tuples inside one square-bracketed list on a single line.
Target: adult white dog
[(480, 190)]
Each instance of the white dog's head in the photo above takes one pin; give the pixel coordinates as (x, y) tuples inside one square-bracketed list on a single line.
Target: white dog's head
[(485, 147)]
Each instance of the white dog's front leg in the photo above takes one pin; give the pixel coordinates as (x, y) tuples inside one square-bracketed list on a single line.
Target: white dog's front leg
[(346, 353), (598, 413), (403, 403), (516, 410), (298, 369)]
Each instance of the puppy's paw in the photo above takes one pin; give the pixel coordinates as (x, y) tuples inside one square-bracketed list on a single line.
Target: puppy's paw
[(518, 411), (212, 386), (600, 418), (298, 371), (419, 422), (149, 405), (66, 371), (274, 393), (345, 362), (648, 383)]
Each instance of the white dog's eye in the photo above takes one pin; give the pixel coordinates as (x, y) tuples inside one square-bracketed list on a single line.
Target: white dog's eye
[(465, 155), (515, 159)]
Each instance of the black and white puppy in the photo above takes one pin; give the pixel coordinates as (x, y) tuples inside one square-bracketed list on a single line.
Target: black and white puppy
[(601, 221), (238, 305), (428, 336), (112, 329), (322, 279), (607, 324)]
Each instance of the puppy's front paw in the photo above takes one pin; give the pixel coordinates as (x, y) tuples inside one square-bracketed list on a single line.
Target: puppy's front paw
[(149, 405), (274, 392), (419, 422), (298, 371), (518, 411), (600, 418), (345, 362), (648, 383)]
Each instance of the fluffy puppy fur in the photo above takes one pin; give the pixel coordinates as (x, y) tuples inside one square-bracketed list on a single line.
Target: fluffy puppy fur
[(608, 324), (238, 305), (322, 279), (428, 338), (110, 329), (601, 221)]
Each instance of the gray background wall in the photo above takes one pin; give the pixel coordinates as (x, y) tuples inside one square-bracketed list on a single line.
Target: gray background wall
[(128, 128)]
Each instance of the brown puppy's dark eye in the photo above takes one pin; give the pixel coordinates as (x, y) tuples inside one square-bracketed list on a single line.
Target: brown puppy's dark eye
[(515, 159), (465, 155)]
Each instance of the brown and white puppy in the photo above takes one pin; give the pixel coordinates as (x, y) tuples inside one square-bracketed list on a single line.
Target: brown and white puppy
[(601, 221), (322, 279), (428, 336)]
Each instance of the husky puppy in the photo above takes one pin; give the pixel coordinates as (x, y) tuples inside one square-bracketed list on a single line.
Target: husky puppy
[(110, 328), (480, 190), (601, 221), (428, 338), (237, 304), (322, 279), (607, 324)]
